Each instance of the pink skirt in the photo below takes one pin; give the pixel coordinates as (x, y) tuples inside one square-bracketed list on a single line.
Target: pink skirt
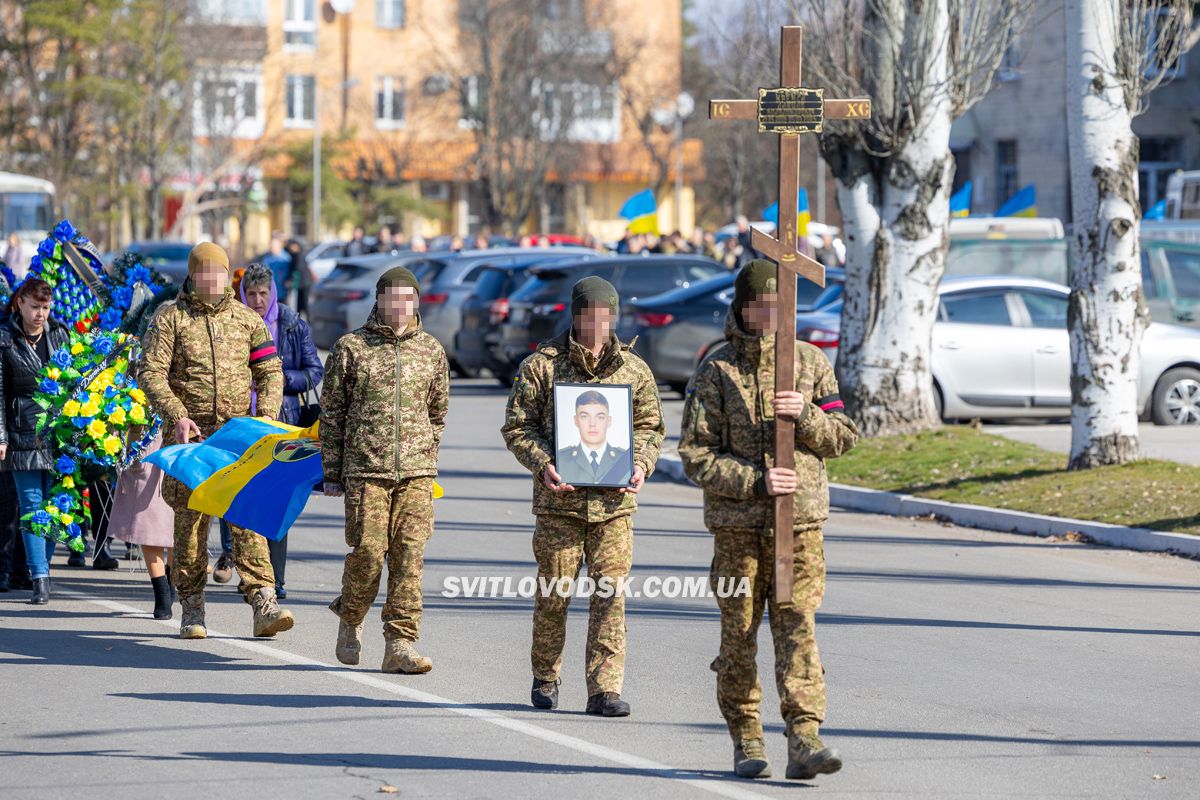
[(139, 514)]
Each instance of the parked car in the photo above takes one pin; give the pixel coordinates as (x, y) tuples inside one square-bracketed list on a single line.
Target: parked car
[(169, 258), (540, 309), (1001, 350), (1171, 281), (675, 330), (476, 346), (449, 279), (323, 257), (341, 302)]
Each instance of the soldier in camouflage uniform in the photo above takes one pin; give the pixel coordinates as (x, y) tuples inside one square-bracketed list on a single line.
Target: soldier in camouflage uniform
[(574, 523), (201, 353), (383, 410), (727, 447)]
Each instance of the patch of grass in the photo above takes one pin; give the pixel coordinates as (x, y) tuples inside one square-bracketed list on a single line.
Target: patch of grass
[(963, 465)]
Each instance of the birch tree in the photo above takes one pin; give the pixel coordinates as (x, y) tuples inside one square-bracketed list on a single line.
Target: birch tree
[(923, 63), (1118, 51)]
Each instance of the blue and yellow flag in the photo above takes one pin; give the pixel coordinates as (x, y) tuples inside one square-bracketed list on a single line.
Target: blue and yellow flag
[(960, 201), (1157, 212), (803, 216), (641, 210), (1021, 204), (255, 474)]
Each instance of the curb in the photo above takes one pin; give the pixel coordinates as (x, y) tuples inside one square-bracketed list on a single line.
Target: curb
[(873, 501)]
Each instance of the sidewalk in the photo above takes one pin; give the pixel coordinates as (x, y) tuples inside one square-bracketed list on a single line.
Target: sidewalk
[(1167, 442)]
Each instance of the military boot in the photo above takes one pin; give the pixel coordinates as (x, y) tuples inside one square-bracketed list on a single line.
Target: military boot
[(269, 618), (544, 694), (808, 757), (191, 622), (349, 642), (400, 656), (750, 759)]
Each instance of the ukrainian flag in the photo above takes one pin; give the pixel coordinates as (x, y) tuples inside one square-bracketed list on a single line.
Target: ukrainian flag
[(254, 473), (642, 212), (803, 216), (960, 201), (1021, 204)]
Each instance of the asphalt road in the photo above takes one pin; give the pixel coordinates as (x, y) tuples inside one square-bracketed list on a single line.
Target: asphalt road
[(960, 664)]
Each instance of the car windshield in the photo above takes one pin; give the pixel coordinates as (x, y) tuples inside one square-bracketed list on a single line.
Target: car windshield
[(159, 253), (1185, 273), (1033, 259), (344, 272), (551, 285)]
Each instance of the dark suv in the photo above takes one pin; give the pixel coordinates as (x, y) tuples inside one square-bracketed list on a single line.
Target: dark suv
[(540, 309)]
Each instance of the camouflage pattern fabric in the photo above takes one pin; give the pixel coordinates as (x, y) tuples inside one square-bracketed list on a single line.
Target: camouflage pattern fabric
[(189, 563), (200, 359), (799, 677), (560, 545), (392, 519), (728, 439), (379, 383), (529, 421)]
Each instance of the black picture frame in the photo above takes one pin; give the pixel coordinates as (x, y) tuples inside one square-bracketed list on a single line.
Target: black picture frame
[(568, 449)]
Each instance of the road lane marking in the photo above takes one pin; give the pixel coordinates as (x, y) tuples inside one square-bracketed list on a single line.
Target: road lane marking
[(717, 786)]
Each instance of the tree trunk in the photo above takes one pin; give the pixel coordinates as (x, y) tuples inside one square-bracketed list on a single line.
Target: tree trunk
[(1107, 313), (896, 212)]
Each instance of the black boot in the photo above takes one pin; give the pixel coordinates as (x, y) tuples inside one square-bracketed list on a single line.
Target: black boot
[(544, 694), (162, 597), (4, 584), (20, 580), (607, 704), (75, 559), (41, 592), (104, 558)]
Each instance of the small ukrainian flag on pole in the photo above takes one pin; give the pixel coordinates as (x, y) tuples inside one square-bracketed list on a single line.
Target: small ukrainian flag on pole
[(803, 215), (960, 201), (642, 212), (1021, 204)]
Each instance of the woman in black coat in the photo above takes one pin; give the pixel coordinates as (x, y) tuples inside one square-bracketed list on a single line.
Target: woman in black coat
[(27, 340)]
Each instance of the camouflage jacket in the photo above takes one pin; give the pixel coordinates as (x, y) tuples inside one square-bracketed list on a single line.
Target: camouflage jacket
[(529, 421), (383, 404), (199, 360), (728, 436)]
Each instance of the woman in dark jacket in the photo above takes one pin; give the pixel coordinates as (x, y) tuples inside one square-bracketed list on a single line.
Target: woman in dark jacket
[(302, 372), (27, 340)]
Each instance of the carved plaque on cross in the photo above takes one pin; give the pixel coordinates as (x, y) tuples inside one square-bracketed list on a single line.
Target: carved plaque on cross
[(788, 110)]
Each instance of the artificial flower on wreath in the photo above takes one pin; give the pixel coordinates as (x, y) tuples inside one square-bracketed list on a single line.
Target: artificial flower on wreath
[(97, 421)]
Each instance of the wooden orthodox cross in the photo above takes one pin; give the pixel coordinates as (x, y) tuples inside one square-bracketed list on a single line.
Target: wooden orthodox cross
[(789, 111)]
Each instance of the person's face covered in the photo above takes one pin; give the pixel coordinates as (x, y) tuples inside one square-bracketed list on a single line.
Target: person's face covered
[(397, 306), (594, 324), (593, 421), (760, 314), (210, 281)]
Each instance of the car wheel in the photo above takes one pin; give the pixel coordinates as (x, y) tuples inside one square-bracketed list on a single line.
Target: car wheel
[(507, 377), (679, 387), (939, 404), (1177, 398)]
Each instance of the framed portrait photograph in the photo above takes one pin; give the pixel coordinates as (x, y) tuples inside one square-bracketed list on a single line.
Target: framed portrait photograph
[(593, 433)]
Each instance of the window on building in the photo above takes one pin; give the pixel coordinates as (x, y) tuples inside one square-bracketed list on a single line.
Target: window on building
[(1161, 22), (230, 12), (474, 101), (226, 103), (301, 90), (1158, 158), (1006, 170), (390, 98), (1010, 61), (299, 23), (389, 13)]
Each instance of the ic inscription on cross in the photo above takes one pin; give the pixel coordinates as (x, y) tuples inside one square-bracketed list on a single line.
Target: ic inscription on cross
[(788, 111)]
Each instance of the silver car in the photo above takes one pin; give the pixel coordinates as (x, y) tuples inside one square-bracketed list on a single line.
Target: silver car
[(1001, 350)]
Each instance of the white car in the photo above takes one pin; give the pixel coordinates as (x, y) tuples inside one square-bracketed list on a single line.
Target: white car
[(1001, 350), (323, 257)]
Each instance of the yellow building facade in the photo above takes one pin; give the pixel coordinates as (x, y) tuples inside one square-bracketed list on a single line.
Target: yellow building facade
[(385, 85)]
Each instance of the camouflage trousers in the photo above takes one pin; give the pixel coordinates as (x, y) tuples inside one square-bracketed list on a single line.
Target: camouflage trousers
[(392, 520), (799, 676), (189, 561), (560, 544)]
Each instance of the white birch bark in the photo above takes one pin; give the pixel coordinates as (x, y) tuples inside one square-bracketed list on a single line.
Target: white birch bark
[(1107, 315), (896, 229)]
